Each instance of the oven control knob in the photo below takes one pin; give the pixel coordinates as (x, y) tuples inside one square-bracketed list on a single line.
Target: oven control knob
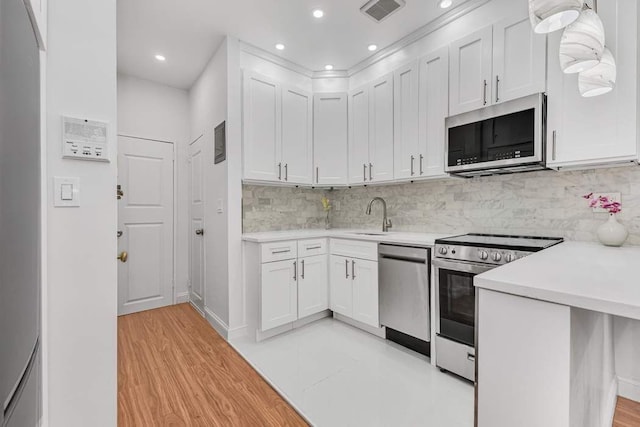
[(483, 255), (510, 257), (496, 256), (443, 250)]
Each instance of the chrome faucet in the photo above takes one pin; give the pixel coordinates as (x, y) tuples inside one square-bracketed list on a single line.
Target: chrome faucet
[(386, 222)]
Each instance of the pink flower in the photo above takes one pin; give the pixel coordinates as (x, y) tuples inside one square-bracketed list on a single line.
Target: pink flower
[(604, 203)]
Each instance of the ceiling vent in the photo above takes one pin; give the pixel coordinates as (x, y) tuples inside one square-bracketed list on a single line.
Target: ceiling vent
[(379, 10)]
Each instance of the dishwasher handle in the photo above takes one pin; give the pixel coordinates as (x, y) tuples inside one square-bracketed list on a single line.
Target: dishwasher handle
[(404, 253)]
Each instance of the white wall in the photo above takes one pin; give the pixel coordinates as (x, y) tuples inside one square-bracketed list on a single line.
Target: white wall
[(81, 294), (208, 107), (154, 111), (627, 351)]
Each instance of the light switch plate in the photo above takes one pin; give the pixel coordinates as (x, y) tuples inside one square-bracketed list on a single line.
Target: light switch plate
[(66, 191), (614, 197)]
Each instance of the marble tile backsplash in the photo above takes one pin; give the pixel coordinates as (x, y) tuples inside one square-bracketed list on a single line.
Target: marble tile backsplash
[(537, 203)]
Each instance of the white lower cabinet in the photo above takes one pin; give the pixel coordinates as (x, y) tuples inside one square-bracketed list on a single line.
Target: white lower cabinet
[(313, 285), (341, 286), (278, 294), (354, 289)]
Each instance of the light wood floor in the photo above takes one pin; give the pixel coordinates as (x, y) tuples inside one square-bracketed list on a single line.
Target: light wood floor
[(175, 370), (627, 413)]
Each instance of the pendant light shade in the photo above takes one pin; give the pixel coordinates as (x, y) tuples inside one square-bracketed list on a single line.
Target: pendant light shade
[(599, 79), (582, 43), (548, 16)]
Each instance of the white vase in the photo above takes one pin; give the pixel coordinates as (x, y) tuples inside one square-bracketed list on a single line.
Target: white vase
[(612, 233)]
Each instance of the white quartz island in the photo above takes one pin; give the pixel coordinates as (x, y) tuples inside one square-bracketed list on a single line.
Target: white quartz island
[(545, 351)]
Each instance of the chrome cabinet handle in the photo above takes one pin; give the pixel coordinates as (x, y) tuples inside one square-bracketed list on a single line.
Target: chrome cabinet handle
[(280, 252), (317, 175), (553, 146), (370, 172), (421, 160), (302, 274), (346, 268), (364, 172), (313, 247), (280, 171), (484, 102), (471, 357), (497, 88), (412, 159), (199, 231), (353, 269), (295, 270), (286, 171)]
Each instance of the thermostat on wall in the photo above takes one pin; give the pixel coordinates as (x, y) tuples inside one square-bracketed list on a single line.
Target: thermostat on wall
[(84, 139)]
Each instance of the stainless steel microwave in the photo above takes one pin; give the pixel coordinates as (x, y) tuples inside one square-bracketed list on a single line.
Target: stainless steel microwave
[(503, 138)]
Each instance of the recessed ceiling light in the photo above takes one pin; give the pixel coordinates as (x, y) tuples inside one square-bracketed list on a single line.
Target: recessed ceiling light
[(280, 46), (372, 47), (318, 13), (446, 3), (161, 58), (328, 67)]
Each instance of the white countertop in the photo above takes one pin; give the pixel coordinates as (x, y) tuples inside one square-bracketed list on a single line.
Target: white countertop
[(420, 239), (584, 275)]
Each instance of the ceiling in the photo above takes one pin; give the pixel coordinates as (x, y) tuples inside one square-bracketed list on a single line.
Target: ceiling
[(187, 32)]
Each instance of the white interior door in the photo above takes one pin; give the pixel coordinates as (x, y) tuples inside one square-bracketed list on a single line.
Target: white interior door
[(196, 226), (145, 218)]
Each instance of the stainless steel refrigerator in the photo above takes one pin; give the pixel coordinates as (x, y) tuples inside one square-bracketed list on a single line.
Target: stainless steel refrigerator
[(20, 366)]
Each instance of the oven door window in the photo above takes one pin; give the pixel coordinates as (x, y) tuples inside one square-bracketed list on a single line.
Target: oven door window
[(457, 305)]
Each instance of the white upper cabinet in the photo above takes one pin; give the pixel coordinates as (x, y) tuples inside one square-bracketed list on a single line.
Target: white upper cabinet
[(381, 129), (499, 63), (359, 135), (330, 138), (470, 74), (297, 141), (406, 141), (433, 109), (262, 111), (277, 132), (518, 60), (371, 132), (602, 129)]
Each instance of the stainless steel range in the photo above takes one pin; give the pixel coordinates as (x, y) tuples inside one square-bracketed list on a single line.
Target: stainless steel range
[(456, 262)]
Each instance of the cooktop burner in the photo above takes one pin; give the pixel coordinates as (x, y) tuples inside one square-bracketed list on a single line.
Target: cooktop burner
[(491, 248)]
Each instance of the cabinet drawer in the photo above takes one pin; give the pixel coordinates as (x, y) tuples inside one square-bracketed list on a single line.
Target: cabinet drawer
[(312, 247), (279, 251), (354, 249)]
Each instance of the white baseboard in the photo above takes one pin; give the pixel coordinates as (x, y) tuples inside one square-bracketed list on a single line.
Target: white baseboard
[(182, 297), (261, 336), (218, 324), (238, 332), (196, 308), (629, 389)]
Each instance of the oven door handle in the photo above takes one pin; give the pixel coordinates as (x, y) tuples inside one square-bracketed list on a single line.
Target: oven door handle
[(464, 267)]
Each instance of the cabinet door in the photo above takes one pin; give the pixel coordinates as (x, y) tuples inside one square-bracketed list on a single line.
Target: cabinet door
[(365, 292), (341, 285), (313, 285), (434, 108), (261, 111), (470, 73), (297, 142), (405, 115), (602, 129), (279, 294), (358, 136), (381, 129), (519, 59), (330, 130)]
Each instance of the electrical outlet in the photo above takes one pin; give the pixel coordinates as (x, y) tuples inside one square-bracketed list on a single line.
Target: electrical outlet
[(613, 197), (336, 205)]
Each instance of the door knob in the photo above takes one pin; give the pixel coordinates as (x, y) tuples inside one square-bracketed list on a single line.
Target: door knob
[(199, 231), (123, 256)]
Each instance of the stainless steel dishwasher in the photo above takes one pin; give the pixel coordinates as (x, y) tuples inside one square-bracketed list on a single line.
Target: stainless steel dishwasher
[(404, 276)]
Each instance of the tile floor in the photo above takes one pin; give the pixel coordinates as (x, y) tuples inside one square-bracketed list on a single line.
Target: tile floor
[(338, 375)]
